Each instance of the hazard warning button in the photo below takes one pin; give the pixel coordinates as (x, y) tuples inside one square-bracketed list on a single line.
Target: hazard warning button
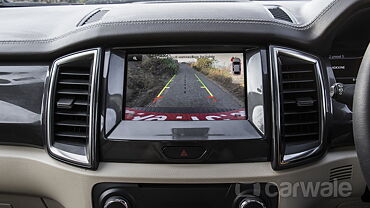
[(186, 152)]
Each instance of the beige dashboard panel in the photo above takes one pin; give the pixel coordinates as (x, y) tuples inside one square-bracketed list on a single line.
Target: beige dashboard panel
[(27, 170)]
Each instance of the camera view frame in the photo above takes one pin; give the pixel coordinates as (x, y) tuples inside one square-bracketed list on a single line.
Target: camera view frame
[(185, 87)]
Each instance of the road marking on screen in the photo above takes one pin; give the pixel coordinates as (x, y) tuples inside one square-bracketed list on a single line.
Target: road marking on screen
[(164, 88), (138, 115), (206, 88)]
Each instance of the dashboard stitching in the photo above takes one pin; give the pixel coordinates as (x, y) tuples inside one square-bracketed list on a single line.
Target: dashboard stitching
[(190, 21)]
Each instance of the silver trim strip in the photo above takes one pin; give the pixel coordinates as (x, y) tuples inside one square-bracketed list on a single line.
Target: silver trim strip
[(87, 159), (275, 89)]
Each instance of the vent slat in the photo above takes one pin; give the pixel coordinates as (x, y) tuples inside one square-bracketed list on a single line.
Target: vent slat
[(301, 134), (79, 135), (74, 82), (298, 91), (340, 179), (298, 81), (75, 69), (75, 73), (72, 123), (81, 102), (340, 168), (73, 92), (288, 101), (72, 113), (301, 123), (298, 112), (344, 173)]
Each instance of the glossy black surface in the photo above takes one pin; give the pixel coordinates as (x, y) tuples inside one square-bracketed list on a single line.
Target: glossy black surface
[(21, 97), (117, 146), (185, 195), (113, 89), (340, 131)]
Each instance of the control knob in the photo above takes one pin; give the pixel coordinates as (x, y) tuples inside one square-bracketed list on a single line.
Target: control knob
[(252, 202), (116, 202)]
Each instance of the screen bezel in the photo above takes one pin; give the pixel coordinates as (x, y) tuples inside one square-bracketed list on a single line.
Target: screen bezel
[(119, 149)]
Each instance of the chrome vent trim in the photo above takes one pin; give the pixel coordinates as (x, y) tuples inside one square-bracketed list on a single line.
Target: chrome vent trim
[(280, 157), (87, 159)]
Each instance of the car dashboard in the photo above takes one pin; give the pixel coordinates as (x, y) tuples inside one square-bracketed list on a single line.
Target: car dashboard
[(73, 135)]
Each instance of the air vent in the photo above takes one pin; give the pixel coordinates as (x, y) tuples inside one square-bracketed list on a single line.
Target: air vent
[(299, 113), (94, 16), (341, 173), (299, 99), (71, 108), (280, 14)]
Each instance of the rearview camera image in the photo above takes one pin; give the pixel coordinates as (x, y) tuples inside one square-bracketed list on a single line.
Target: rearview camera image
[(185, 87)]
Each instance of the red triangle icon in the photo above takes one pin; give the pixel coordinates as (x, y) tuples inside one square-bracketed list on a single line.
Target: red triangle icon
[(184, 153)]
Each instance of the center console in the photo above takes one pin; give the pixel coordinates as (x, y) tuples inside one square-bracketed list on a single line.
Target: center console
[(187, 105), (120, 195)]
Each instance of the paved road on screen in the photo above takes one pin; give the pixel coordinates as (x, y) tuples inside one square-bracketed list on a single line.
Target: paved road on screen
[(190, 88)]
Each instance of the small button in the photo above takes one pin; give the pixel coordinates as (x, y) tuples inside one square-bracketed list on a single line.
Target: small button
[(188, 152)]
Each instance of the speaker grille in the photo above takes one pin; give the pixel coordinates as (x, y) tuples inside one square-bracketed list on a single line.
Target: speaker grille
[(341, 173), (280, 14)]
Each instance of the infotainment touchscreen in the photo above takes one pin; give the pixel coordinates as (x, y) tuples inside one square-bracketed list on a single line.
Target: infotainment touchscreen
[(185, 87)]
